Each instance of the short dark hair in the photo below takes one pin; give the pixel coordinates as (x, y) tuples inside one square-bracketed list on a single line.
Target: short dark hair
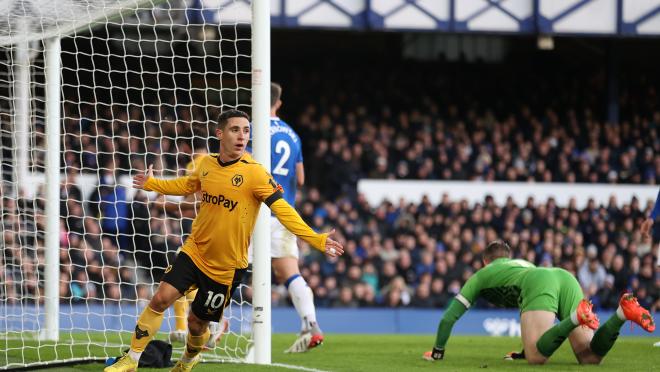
[(497, 249), (224, 117), (275, 93)]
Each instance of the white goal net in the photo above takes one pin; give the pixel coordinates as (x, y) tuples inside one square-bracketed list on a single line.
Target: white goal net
[(140, 82)]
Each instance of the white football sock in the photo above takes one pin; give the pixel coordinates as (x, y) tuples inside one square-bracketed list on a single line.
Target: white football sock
[(574, 318), (303, 300), (135, 355), (620, 314)]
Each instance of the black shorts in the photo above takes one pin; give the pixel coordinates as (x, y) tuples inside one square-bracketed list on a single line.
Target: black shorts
[(212, 297)]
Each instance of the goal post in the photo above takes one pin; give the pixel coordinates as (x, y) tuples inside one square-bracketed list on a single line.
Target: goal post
[(261, 138), (53, 117), (91, 92)]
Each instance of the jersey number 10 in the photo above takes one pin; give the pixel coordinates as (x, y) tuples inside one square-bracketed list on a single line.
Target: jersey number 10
[(214, 301)]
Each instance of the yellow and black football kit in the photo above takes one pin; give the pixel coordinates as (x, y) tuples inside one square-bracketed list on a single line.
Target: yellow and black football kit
[(188, 210), (231, 195), (188, 214)]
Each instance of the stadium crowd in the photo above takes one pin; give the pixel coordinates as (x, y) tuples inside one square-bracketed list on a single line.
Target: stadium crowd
[(467, 123), (397, 254), (522, 147), (470, 124), (401, 254), (114, 244)]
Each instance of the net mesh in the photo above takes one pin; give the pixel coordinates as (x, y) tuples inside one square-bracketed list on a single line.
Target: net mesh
[(140, 83)]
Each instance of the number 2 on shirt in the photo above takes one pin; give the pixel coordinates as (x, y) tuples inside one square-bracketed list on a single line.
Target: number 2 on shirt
[(281, 147)]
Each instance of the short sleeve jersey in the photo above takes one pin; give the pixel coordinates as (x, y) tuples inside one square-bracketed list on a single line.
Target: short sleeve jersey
[(285, 153)]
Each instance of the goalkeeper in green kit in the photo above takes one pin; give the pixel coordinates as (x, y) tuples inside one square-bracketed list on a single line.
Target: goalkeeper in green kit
[(541, 294)]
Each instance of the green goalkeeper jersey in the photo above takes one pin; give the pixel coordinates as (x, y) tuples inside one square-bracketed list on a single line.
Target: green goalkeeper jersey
[(514, 283), (500, 283)]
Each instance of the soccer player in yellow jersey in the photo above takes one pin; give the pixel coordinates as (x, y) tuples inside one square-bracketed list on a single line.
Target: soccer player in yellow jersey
[(214, 257), (186, 209)]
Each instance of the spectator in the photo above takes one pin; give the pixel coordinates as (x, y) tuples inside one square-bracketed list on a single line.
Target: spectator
[(412, 137), (592, 273), (109, 203), (346, 298), (422, 297), (397, 292)]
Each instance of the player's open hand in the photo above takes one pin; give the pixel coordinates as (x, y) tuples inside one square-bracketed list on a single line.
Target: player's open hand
[(332, 247), (141, 178), (646, 229)]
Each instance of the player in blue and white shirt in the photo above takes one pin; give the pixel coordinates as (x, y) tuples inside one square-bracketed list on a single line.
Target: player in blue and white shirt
[(286, 158), (287, 170)]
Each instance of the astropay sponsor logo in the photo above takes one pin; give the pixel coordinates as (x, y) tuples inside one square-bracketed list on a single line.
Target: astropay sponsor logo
[(220, 200), (502, 327)]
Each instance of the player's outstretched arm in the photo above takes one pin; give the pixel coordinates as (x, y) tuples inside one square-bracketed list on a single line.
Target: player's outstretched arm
[(140, 179), (454, 311), (178, 186), (457, 307), (332, 247), (294, 223)]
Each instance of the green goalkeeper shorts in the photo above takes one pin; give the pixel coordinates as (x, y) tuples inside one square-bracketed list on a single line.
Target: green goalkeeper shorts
[(550, 289)]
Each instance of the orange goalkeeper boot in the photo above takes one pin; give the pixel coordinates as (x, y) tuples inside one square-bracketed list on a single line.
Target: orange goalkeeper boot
[(586, 317), (636, 313)]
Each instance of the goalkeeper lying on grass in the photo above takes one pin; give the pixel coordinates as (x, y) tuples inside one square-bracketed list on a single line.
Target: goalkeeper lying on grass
[(541, 294)]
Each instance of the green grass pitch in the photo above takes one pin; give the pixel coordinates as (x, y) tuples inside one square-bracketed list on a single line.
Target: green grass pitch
[(388, 353)]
